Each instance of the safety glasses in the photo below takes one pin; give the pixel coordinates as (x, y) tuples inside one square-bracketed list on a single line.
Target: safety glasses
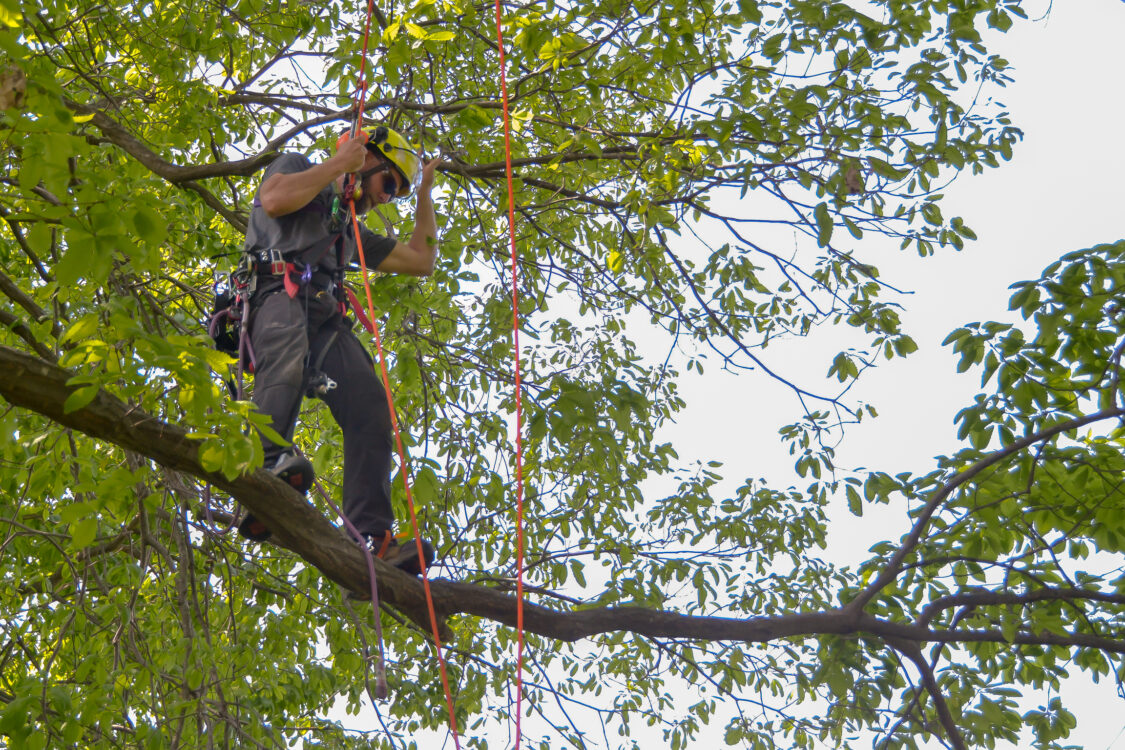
[(390, 182)]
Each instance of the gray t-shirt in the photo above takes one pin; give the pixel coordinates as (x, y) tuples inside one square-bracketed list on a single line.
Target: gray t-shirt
[(310, 226)]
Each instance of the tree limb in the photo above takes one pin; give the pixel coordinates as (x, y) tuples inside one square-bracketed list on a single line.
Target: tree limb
[(42, 387), (983, 598), (174, 173), (894, 566), (914, 654), (18, 327)]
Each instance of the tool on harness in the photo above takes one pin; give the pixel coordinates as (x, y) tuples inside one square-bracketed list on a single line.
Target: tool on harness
[(223, 327), (231, 294), (317, 383)]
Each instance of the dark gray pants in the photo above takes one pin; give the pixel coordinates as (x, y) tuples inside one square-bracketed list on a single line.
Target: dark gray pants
[(283, 332)]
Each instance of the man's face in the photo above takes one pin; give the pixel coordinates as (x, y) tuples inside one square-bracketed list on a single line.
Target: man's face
[(381, 186)]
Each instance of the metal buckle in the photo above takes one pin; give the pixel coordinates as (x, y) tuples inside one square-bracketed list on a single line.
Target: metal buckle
[(319, 385), (276, 262)]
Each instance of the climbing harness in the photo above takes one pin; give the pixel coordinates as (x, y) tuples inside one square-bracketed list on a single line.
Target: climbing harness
[(301, 271)]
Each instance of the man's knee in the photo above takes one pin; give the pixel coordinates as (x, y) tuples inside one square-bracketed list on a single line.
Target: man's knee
[(283, 372)]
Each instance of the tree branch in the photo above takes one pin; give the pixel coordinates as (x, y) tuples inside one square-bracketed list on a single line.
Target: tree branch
[(174, 173), (914, 654), (42, 387), (18, 327), (984, 598), (894, 566)]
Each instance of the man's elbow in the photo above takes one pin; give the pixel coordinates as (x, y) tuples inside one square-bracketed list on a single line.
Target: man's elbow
[(425, 268), (273, 205), (425, 261), (274, 199)]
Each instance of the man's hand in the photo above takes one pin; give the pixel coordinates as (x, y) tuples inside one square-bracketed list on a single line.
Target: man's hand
[(427, 181), (351, 154), (418, 256)]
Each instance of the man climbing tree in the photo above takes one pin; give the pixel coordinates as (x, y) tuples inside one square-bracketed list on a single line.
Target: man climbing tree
[(298, 244), (697, 187)]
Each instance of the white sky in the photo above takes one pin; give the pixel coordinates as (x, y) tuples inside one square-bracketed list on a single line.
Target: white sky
[(1061, 192)]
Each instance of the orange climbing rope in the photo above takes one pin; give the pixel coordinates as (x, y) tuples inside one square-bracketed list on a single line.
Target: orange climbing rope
[(405, 471), (519, 388), (361, 101)]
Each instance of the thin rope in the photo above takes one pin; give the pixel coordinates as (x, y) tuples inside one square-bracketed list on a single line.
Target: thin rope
[(361, 95), (405, 471), (380, 664), (519, 389)]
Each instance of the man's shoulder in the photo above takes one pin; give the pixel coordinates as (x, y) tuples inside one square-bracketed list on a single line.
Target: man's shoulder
[(288, 163)]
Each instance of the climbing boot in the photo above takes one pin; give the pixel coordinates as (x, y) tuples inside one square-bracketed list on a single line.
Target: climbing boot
[(293, 469), (402, 556)]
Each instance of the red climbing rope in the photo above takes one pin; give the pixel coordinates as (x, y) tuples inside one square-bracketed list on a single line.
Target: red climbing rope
[(519, 388), (361, 101), (405, 471), (361, 90)]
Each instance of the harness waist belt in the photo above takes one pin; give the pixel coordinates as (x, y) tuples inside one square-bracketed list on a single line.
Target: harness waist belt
[(321, 280), (271, 264)]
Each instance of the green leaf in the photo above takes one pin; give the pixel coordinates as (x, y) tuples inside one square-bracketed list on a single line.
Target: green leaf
[(576, 570), (149, 225), (10, 15), (884, 169), (80, 397), (823, 224), (83, 532), (855, 502), (212, 455), (83, 328)]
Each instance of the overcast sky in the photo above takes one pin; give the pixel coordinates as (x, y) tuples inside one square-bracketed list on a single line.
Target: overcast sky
[(1061, 192)]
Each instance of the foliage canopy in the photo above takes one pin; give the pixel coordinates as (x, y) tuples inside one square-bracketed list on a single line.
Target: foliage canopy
[(704, 175)]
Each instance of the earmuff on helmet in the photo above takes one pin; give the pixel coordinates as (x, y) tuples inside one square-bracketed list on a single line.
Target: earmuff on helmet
[(399, 153)]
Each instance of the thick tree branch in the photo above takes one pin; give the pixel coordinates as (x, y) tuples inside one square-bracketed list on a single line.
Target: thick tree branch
[(130, 144), (42, 387)]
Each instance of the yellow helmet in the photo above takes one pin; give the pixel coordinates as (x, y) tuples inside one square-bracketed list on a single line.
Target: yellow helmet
[(402, 155)]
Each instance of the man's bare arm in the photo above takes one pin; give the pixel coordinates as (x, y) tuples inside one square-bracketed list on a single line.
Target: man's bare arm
[(283, 194), (419, 256)]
